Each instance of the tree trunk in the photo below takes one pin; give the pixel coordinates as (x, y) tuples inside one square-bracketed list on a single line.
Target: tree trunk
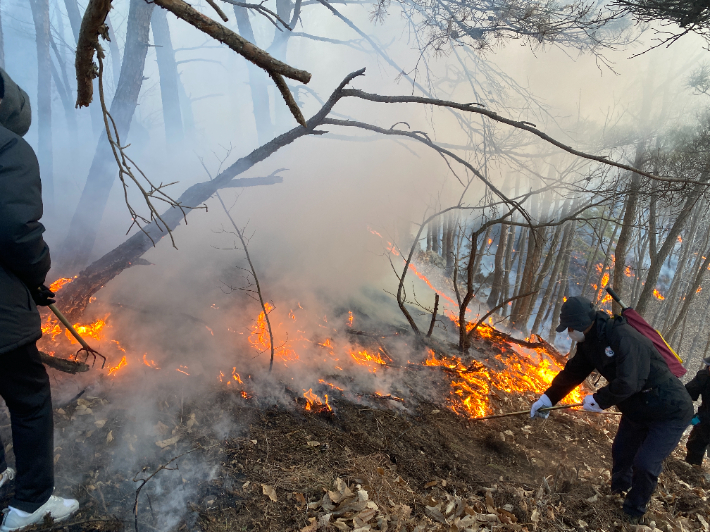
[(447, 241), (61, 81), (115, 53), (690, 295), (638, 273), (530, 307), (258, 81), (40, 14), (498, 267), (87, 217), (505, 288), (666, 310), (428, 237), (603, 224), (436, 222), (600, 292), (536, 244), (523, 243), (622, 244), (480, 252), (172, 118), (657, 262), (564, 282), (553, 281)]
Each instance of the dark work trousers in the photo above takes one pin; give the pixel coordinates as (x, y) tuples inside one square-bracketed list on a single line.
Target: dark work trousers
[(698, 442), (638, 452), (24, 385)]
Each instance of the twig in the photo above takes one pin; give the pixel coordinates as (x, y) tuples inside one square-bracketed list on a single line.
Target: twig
[(240, 234), (124, 169), (218, 10), (433, 316), (265, 11), (144, 481)]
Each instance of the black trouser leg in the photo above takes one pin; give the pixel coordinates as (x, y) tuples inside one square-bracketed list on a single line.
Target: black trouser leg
[(698, 442), (628, 440), (24, 385), (660, 438), (3, 463)]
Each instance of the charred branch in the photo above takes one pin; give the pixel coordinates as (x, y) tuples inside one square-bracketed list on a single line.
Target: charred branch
[(62, 364), (92, 26)]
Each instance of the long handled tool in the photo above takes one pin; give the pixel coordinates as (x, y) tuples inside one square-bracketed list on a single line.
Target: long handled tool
[(556, 407), (84, 346)]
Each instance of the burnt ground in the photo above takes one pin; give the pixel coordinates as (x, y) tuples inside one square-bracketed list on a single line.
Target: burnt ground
[(422, 469)]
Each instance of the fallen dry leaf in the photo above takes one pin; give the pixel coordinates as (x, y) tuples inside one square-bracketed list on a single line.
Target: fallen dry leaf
[(269, 492), (167, 443)]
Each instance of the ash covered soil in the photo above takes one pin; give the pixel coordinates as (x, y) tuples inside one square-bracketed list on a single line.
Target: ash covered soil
[(369, 465)]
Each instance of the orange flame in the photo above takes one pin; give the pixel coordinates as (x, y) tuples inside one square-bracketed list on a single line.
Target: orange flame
[(57, 285), (658, 295), (259, 338), (149, 363), (350, 318), (92, 330), (365, 358), (122, 364), (315, 403), (182, 369)]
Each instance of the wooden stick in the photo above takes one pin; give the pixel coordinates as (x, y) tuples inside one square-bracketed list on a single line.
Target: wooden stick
[(557, 407), (69, 326)]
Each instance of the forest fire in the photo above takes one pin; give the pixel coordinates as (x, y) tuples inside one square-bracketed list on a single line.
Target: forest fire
[(472, 387), (658, 295)]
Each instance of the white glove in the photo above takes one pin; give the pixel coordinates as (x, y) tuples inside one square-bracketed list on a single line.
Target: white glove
[(590, 404), (543, 402)]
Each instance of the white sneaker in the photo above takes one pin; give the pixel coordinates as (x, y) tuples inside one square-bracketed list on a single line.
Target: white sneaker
[(57, 507), (6, 475)]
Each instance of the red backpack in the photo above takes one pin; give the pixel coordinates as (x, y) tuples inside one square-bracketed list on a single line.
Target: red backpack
[(675, 363)]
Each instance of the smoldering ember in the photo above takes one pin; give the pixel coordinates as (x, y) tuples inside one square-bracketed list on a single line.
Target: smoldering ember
[(343, 265)]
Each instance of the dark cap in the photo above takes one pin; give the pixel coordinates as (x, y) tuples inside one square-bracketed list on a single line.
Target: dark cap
[(577, 313)]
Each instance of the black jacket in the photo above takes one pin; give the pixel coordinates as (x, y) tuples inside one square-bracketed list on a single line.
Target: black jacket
[(639, 381), (24, 255), (700, 385)]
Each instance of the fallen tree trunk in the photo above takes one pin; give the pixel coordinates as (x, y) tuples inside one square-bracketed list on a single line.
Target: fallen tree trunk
[(62, 364)]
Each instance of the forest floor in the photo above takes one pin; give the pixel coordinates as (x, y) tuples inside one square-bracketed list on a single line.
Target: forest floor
[(370, 465)]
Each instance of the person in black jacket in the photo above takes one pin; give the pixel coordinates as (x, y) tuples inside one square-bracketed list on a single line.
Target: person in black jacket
[(24, 263), (655, 406), (699, 438)]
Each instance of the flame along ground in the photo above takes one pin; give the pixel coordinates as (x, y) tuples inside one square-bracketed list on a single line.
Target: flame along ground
[(472, 385)]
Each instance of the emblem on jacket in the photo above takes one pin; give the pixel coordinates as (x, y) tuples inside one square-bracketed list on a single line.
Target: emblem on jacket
[(609, 352)]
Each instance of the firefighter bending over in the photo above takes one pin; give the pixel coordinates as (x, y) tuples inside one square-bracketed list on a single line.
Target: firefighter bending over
[(655, 406)]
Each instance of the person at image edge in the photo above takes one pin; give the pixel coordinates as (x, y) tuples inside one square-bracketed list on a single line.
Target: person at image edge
[(24, 263)]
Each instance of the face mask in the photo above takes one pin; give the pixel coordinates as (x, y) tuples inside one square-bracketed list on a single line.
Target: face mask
[(577, 336)]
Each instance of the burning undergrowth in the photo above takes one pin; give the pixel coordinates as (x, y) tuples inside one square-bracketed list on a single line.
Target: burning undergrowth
[(353, 407)]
